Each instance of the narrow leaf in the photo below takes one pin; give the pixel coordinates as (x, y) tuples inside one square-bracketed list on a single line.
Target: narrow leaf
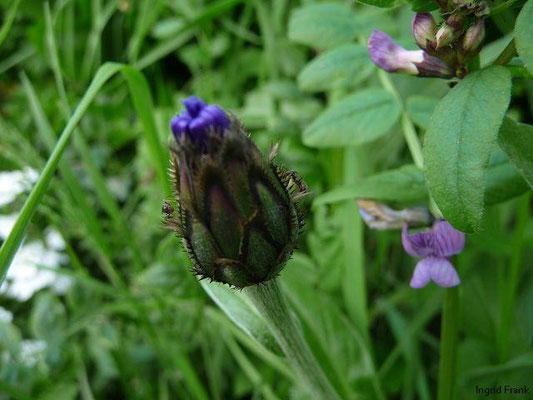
[(459, 142), (13, 241), (242, 314)]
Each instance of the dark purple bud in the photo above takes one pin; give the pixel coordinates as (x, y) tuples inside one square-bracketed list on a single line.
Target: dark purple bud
[(197, 120), (391, 57), (435, 247), (473, 37), (424, 28)]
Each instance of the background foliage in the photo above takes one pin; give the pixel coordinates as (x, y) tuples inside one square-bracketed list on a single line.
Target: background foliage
[(130, 321)]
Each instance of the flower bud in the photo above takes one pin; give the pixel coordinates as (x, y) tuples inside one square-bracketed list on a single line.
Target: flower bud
[(391, 57), (236, 211), (473, 37), (445, 35), (423, 27)]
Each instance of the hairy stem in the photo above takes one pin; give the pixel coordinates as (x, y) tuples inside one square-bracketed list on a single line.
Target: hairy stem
[(270, 303)]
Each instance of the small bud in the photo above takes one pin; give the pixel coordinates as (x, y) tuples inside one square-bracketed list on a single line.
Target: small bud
[(424, 28), (445, 35), (473, 37), (236, 211), (391, 57)]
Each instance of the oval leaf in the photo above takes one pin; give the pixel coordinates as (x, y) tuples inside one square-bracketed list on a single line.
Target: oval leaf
[(356, 119), (459, 142), (517, 141), (524, 35), (322, 26), (344, 66)]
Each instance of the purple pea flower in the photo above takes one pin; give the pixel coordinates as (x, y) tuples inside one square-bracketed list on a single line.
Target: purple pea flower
[(434, 247), (197, 120), (391, 57)]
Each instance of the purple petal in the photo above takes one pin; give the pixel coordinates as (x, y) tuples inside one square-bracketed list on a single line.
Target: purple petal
[(197, 120), (391, 57), (439, 270), (194, 105), (422, 274), (447, 240), (442, 272), (417, 244)]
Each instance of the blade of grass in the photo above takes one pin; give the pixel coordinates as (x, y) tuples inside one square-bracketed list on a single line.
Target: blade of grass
[(10, 17), (91, 222), (248, 368), (104, 195), (14, 239)]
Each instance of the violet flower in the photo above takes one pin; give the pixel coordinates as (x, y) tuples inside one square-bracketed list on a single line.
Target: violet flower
[(197, 119), (434, 247), (391, 57)]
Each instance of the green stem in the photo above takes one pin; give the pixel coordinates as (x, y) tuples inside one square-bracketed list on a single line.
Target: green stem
[(448, 345), (270, 303), (506, 55), (408, 127), (409, 134), (508, 297)]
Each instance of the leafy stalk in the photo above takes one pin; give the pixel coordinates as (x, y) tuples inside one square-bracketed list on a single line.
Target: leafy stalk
[(270, 303)]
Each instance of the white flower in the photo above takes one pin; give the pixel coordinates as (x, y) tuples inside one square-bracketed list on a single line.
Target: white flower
[(12, 183)]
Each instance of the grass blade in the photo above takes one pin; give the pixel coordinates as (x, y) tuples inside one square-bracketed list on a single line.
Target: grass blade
[(14, 239), (10, 17)]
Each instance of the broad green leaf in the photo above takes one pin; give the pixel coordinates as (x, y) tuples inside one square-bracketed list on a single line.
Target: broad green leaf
[(341, 67), (524, 35), (459, 142), (405, 184), (421, 108), (517, 141), (503, 182), (322, 26), (380, 3), (242, 314), (356, 119)]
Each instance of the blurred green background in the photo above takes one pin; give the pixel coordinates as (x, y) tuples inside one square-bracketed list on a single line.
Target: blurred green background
[(99, 302)]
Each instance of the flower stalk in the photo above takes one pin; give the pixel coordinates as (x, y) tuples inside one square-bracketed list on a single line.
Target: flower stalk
[(269, 301)]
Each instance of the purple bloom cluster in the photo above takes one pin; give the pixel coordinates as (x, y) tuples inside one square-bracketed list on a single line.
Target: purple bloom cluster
[(197, 120), (434, 247)]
